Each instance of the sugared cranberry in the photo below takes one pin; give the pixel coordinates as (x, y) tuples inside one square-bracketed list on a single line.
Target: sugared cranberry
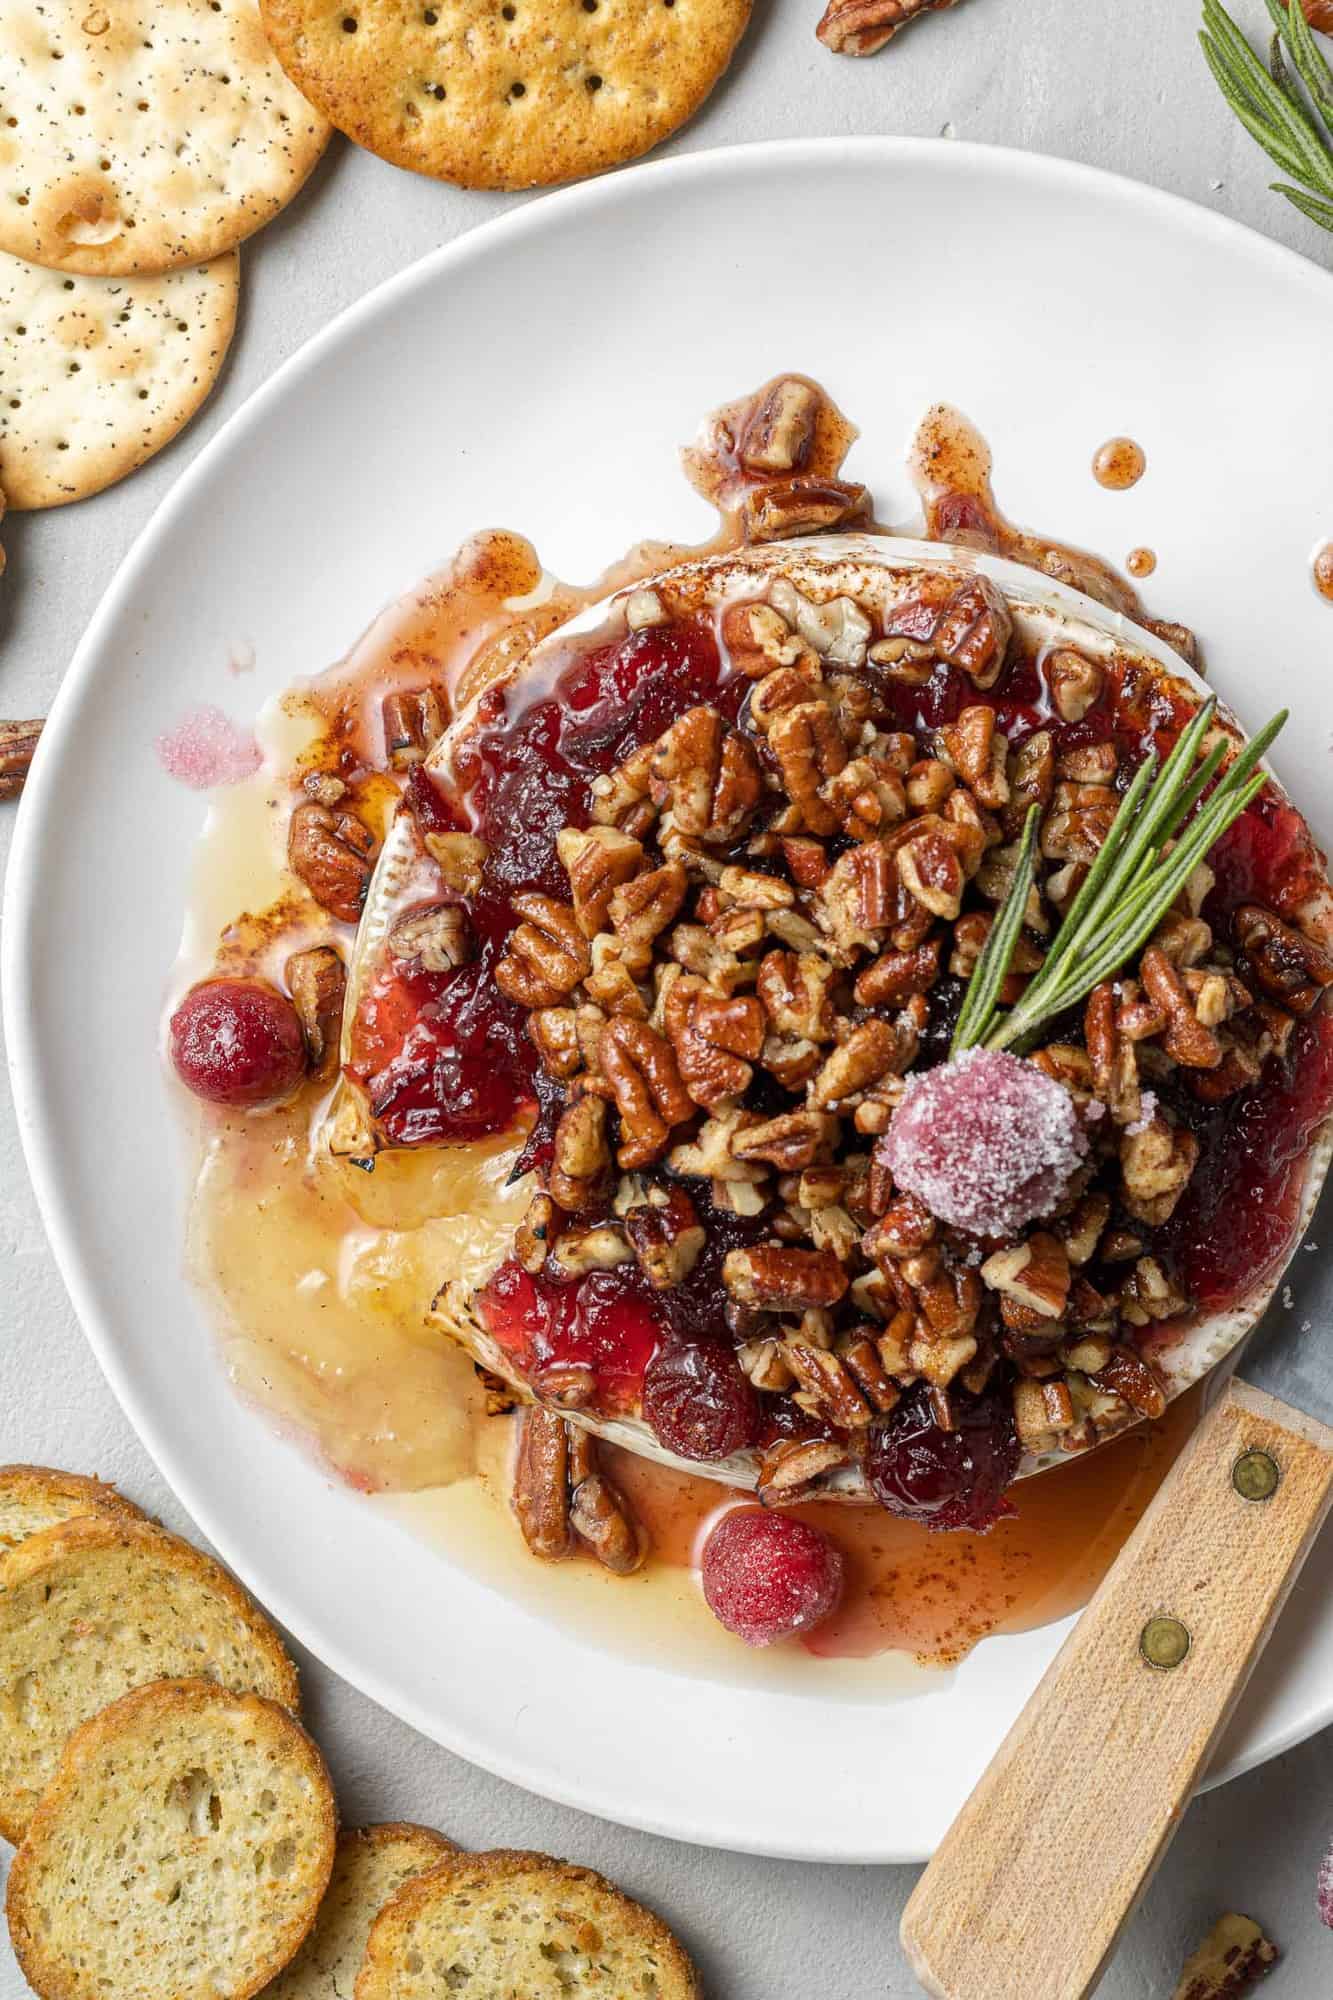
[(698, 1402), (945, 1479), (766, 1576), (987, 1142), (237, 1042)]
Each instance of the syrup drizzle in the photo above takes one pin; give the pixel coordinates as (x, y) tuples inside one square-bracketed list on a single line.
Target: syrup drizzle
[(1119, 464), (1322, 571), (1141, 562), (950, 464)]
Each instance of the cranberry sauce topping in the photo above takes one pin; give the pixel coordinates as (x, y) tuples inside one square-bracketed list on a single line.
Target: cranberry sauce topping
[(445, 1055), (1238, 1215), (614, 1323)]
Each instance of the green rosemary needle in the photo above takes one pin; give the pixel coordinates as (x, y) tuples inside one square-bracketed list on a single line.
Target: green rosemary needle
[(1163, 829), (1294, 128)]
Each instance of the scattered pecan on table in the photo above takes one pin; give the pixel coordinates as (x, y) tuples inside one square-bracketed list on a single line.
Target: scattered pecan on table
[(18, 742), (1229, 1963), (860, 27)]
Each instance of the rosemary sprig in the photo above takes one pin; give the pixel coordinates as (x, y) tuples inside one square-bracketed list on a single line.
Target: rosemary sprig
[(1294, 129), (1164, 827)]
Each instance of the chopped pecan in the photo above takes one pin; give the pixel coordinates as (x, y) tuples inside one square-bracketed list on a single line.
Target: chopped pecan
[(1042, 1411), (1156, 1161), (541, 1483), (413, 719), (858, 900), (809, 747), (708, 774), (578, 1252), (780, 428), (759, 639), (896, 975), (536, 1233), (18, 747), (1184, 1038), (1149, 1294), (932, 874), (332, 852), (642, 909), (1035, 1272), (1115, 1070), (979, 754), (801, 505), (1288, 966), (460, 858), (784, 688), (640, 1065), (794, 989), (622, 798), (974, 631), (789, 1468), (600, 1517), (1031, 781), (861, 1357), (873, 1050), (782, 1280), (789, 1142), (581, 1157), (554, 1033), (317, 982), (866, 797), (546, 956), (666, 1236), (860, 27), (435, 935), (1075, 683), (1078, 822), (716, 1039), (1082, 1229), (1134, 1380), (597, 860), (827, 1387)]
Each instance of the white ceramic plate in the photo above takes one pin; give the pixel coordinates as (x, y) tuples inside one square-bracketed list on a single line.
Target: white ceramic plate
[(540, 374)]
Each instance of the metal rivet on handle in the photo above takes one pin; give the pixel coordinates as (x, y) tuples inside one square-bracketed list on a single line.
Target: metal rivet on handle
[(1164, 1642), (1255, 1475)]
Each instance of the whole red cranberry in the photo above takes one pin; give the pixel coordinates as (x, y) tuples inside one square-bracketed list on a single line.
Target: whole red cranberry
[(237, 1042), (945, 1479), (698, 1402), (766, 1576)]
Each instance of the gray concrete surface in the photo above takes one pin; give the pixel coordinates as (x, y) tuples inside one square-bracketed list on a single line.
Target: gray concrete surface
[(1120, 85)]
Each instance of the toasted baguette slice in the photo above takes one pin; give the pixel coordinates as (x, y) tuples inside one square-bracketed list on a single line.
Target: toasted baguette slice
[(33, 1497), (509, 1926), (95, 1607), (179, 1853), (371, 1865)]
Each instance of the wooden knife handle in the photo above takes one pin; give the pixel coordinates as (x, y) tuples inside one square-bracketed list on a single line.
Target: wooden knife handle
[(1038, 1875)]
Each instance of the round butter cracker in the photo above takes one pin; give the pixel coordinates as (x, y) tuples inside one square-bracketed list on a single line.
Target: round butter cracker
[(506, 93), (136, 135), (97, 374)]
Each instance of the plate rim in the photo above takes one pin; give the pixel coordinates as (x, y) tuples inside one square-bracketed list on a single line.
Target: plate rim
[(20, 899)]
